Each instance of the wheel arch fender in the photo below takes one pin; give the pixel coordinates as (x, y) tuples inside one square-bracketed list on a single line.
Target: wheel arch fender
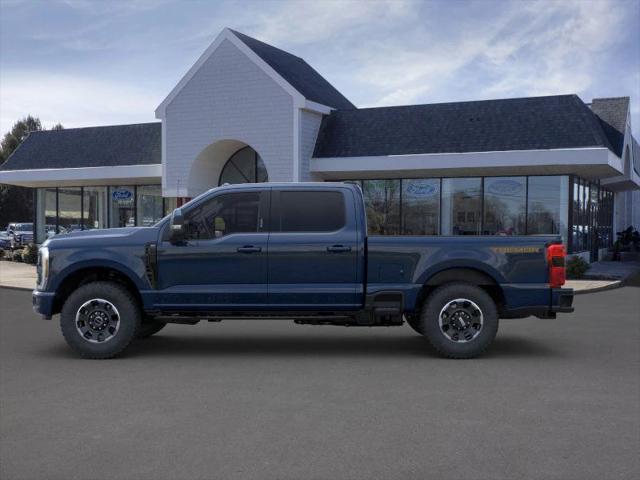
[(105, 264), (469, 271)]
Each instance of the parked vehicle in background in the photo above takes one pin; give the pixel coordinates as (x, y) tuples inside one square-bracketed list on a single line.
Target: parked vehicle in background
[(20, 234), (5, 240), (297, 251)]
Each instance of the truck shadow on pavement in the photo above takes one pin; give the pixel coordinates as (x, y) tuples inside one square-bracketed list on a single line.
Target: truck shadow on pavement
[(270, 346)]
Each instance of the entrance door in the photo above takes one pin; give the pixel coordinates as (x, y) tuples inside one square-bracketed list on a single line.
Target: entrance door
[(313, 250), (222, 265)]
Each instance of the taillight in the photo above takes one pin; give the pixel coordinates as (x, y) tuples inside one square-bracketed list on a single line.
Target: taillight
[(555, 258)]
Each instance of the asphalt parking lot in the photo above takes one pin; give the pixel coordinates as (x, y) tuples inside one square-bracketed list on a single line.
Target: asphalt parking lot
[(556, 399)]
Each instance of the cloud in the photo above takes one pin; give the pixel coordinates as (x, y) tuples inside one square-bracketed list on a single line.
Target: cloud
[(536, 48), (72, 100), (295, 22)]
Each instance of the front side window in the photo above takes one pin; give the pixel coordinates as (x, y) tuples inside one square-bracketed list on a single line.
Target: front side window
[(224, 215), (311, 211)]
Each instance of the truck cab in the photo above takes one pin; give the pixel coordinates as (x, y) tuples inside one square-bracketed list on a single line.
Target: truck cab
[(298, 251)]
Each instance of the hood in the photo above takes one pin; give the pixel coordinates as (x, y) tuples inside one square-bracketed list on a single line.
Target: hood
[(106, 236)]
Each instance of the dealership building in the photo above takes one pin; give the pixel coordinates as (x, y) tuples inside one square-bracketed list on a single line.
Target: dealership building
[(249, 112)]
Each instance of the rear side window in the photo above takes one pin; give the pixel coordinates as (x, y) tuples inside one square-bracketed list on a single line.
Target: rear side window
[(311, 211)]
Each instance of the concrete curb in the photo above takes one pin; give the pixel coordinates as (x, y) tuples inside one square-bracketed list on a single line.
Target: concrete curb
[(11, 287), (611, 286)]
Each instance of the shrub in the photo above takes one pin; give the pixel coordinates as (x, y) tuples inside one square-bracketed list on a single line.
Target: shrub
[(17, 256), (30, 254), (576, 267), (1, 252)]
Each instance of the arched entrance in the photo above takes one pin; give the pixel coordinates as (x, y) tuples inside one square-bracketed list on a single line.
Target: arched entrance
[(244, 166), (224, 161)]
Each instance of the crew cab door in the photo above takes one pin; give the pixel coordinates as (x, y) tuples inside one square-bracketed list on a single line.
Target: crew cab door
[(222, 264), (313, 250)]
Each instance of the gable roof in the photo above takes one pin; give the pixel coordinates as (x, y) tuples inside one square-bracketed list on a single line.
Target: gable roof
[(298, 73), (612, 113), (115, 145), (292, 73), (534, 123)]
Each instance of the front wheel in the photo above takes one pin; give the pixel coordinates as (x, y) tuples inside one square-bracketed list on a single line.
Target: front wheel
[(100, 319), (459, 320)]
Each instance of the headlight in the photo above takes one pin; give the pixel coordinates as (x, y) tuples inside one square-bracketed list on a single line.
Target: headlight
[(43, 267)]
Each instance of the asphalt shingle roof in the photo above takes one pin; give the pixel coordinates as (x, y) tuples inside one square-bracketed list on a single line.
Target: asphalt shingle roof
[(298, 73), (115, 145), (534, 123), (612, 113)]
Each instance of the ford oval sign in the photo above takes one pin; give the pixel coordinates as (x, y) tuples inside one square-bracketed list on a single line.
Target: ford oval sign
[(422, 189), (505, 187), (122, 195)]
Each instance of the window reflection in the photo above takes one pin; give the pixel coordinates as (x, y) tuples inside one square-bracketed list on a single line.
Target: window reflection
[(94, 207), (548, 205), (504, 205), (149, 205), (382, 202), (461, 206), (421, 206), (69, 209)]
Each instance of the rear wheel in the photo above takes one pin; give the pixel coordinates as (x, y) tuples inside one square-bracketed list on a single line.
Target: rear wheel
[(459, 320), (100, 319)]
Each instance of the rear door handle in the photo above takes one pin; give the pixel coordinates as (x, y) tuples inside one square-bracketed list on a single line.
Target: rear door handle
[(249, 249), (338, 248)]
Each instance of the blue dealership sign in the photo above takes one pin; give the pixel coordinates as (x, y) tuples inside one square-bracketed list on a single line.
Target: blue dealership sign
[(505, 187), (122, 195), (422, 189)]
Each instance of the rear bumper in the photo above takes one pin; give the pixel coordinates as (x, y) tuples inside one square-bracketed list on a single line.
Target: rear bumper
[(562, 300), (524, 301), (43, 303)]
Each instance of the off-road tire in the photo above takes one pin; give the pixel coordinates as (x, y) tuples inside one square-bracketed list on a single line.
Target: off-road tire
[(129, 319), (432, 331)]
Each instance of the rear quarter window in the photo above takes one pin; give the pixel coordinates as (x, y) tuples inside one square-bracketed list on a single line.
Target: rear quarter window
[(311, 211)]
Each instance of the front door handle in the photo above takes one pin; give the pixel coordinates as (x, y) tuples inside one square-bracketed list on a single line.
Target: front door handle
[(338, 248), (249, 249)]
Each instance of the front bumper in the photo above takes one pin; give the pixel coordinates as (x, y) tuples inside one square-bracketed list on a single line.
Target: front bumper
[(43, 303)]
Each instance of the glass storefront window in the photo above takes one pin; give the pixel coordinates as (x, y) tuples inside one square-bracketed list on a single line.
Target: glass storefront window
[(170, 204), (461, 206), (94, 207), (421, 206), (244, 166), (122, 206), (382, 202), (69, 209), (504, 205), (149, 205), (46, 214), (548, 205)]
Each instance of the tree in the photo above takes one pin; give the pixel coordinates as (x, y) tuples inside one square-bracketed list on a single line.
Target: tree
[(16, 203)]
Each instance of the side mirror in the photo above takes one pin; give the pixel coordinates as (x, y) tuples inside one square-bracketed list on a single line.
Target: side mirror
[(177, 232)]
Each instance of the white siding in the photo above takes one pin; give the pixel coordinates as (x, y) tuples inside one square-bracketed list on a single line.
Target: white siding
[(228, 98), (309, 126)]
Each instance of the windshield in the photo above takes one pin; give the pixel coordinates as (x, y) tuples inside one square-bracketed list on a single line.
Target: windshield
[(23, 227)]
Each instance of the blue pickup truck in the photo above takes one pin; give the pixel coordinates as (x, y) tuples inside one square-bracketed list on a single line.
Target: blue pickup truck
[(298, 251)]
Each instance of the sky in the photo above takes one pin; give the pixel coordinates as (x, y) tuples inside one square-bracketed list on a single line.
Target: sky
[(85, 63)]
